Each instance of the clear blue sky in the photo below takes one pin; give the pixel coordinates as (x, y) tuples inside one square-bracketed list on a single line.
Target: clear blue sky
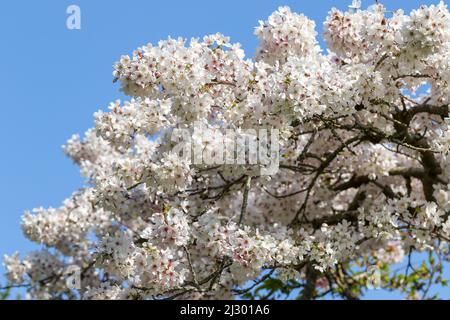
[(53, 79)]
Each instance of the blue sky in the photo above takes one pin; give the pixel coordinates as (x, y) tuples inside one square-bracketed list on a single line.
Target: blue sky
[(53, 80)]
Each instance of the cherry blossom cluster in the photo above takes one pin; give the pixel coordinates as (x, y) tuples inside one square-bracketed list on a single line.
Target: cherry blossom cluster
[(363, 179)]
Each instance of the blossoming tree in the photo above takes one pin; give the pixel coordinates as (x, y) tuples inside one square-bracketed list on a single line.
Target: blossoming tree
[(363, 180)]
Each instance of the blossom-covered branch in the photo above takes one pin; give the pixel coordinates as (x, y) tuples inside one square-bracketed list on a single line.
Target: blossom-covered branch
[(363, 179)]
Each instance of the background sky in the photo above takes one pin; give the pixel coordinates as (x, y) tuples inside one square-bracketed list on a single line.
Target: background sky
[(53, 79)]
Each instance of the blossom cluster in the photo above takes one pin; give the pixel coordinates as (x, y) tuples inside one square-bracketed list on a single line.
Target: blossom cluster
[(364, 166)]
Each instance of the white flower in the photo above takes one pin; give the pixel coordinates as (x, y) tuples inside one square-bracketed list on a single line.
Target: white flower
[(356, 4)]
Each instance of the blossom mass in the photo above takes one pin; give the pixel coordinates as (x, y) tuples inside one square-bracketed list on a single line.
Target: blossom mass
[(363, 180)]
